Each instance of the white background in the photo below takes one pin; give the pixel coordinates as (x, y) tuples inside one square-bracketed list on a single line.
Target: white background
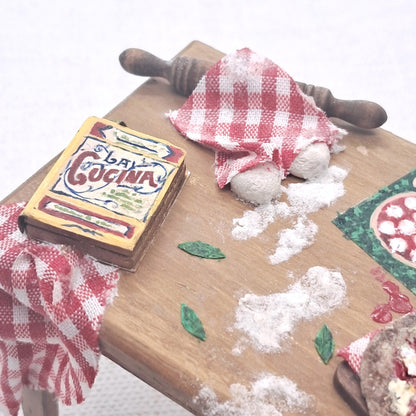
[(59, 59)]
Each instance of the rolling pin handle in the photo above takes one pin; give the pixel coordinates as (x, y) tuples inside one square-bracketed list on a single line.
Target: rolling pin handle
[(182, 72), (364, 114), (139, 62)]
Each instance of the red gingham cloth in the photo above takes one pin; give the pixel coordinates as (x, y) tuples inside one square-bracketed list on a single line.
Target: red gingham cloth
[(353, 353), (250, 111), (52, 301)]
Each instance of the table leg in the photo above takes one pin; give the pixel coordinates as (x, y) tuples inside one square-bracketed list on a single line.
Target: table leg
[(39, 403)]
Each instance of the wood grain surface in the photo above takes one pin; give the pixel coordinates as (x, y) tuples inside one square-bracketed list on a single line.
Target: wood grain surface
[(142, 331)]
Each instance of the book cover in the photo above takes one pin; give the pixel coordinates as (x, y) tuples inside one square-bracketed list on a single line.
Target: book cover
[(105, 192)]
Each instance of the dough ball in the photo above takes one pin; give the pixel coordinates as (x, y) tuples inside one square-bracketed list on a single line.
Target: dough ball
[(311, 161), (258, 185)]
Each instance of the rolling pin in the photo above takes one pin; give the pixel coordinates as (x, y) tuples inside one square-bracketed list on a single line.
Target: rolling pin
[(184, 73)]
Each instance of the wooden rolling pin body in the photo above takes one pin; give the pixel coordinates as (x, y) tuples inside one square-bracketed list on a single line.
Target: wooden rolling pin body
[(184, 74)]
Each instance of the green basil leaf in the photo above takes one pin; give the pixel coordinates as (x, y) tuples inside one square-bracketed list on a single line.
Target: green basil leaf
[(192, 323), (203, 250), (324, 344)]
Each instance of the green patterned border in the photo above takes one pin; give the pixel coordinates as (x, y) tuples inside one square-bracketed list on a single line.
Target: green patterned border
[(355, 224)]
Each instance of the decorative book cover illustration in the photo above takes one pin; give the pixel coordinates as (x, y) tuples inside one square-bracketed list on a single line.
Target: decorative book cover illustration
[(107, 193), (384, 226)]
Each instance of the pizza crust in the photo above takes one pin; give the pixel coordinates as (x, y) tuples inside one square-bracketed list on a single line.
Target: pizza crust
[(378, 367)]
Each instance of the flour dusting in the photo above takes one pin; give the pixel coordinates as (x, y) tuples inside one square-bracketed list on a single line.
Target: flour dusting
[(268, 321), (269, 395), (293, 240), (254, 222), (314, 194), (303, 198)]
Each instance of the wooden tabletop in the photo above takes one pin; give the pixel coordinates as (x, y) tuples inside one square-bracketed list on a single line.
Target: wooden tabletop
[(142, 330)]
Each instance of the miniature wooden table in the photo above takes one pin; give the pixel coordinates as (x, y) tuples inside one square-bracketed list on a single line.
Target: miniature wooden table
[(142, 331)]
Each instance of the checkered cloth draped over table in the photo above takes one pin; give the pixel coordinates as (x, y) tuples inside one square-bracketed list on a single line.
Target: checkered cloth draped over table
[(250, 111), (353, 353), (52, 301)]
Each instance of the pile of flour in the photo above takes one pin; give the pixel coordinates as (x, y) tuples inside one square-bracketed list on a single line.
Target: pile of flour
[(268, 396), (302, 198), (268, 321)]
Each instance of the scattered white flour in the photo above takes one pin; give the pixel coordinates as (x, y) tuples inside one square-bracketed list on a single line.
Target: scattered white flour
[(312, 195), (268, 396), (254, 222), (268, 321), (303, 198), (293, 240)]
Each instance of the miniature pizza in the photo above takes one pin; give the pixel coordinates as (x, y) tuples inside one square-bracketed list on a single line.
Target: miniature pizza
[(388, 369), (107, 194)]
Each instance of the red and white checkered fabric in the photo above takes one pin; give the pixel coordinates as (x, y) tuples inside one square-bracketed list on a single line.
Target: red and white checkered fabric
[(353, 353), (52, 301), (250, 111)]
